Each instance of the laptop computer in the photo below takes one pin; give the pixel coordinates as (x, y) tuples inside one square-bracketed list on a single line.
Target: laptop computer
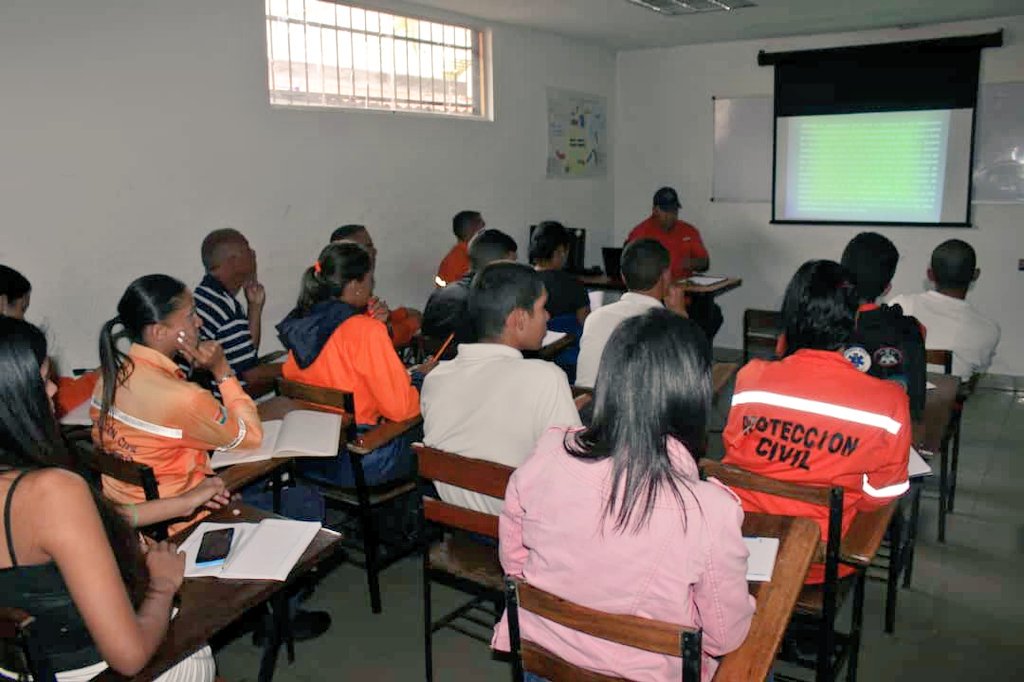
[(612, 261)]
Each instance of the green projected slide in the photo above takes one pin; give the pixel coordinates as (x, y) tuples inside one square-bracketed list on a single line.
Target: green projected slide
[(886, 167)]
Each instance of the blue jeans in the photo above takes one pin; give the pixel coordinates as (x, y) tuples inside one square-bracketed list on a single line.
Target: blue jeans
[(392, 461), (299, 502)]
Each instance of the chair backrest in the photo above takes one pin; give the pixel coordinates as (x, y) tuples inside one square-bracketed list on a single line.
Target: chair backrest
[(334, 398), (761, 331), (101, 463), (477, 475), (943, 358), (828, 497), (642, 633), (16, 627)]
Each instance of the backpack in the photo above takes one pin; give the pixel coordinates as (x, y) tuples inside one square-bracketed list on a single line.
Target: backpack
[(890, 345)]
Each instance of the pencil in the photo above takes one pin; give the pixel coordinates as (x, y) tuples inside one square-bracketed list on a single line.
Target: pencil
[(443, 348)]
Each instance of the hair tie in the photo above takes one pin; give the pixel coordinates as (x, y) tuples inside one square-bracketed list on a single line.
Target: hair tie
[(316, 267)]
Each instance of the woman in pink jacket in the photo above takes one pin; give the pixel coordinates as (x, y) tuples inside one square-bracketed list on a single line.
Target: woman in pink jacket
[(616, 518)]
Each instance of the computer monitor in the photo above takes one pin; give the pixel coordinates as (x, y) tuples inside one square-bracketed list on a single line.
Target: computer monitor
[(575, 263)]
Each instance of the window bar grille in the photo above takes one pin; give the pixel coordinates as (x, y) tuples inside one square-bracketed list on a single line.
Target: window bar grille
[(337, 52), (305, 45)]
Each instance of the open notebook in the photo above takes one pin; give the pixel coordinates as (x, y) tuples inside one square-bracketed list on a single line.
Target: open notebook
[(302, 433), (761, 561), (267, 550)]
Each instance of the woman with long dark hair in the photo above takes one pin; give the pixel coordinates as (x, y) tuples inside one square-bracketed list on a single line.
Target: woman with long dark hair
[(69, 558), (331, 343), (145, 411), (616, 518)]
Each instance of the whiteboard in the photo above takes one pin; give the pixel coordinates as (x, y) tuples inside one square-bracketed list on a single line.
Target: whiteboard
[(743, 147), (999, 144)]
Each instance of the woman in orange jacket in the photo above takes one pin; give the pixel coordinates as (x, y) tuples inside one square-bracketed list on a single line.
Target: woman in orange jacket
[(332, 344)]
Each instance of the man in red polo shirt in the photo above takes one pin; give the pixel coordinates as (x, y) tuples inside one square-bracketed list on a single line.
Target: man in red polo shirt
[(686, 251)]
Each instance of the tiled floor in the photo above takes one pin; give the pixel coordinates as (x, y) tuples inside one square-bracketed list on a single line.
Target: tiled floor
[(963, 618)]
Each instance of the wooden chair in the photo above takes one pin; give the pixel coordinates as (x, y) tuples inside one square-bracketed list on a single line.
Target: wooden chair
[(761, 330), (363, 499), (818, 604), (945, 359), (16, 628), (641, 633), (457, 560), (94, 463)]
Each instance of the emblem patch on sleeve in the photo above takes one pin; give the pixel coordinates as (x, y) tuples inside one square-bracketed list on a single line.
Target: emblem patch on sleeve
[(858, 357)]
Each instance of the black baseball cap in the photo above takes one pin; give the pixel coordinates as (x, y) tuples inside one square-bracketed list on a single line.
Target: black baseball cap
[(666, 199)]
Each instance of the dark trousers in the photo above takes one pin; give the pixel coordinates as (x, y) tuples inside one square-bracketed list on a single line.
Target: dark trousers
[(705, 312)]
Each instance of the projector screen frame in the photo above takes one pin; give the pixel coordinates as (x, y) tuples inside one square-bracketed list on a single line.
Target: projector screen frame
[(979, 41)]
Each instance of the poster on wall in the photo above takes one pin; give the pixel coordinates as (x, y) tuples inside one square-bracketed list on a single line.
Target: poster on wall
[(577, 140)]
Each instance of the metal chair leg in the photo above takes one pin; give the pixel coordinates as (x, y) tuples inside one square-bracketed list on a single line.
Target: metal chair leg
[(911, 545), (892, 587), (371, 544), (954, 462), (428, 623), (943, 488), (856, 621)]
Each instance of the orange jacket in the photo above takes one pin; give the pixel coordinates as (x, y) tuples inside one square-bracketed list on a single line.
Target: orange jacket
[(456, 264), (73, 391), (813, 418), (359, 358), (167, 423), (403, 326)]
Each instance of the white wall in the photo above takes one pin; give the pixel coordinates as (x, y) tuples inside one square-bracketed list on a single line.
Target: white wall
[(130, 128), (664, 134)]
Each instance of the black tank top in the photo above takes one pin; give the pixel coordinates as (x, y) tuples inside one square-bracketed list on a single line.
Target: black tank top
[(40, 591)]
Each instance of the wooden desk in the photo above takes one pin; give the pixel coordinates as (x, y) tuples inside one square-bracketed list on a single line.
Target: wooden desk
[(728, 284), (549, 351), (238, 476), (721, 373), (775, 599), (208, 605), (938, 410), (606, 283)]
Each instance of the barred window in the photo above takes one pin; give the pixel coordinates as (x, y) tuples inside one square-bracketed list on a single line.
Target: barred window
[(329, 54)]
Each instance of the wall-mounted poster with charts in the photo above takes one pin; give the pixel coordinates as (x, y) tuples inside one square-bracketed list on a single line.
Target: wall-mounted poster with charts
[(577, 140)]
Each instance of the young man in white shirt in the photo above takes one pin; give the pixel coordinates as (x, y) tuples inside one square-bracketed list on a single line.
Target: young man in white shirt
[(951, 322), (489, 402), (646, 271)]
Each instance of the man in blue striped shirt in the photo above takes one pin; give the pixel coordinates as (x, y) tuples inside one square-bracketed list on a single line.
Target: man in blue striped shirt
[(230, 266)]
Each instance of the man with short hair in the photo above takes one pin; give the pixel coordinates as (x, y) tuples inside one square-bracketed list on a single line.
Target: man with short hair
[(402, 323), (489, 402), (687, 254), (456, 264), (230, 266), (886, 343), (446, 311), (954, 324), (648, 276)]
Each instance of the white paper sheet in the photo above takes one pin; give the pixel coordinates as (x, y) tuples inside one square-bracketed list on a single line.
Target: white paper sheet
[(704, 280), (917, 465), (551, 337), (761, 562)]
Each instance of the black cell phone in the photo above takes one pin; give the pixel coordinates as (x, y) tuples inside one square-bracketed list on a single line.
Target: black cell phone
[(215, 547)]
